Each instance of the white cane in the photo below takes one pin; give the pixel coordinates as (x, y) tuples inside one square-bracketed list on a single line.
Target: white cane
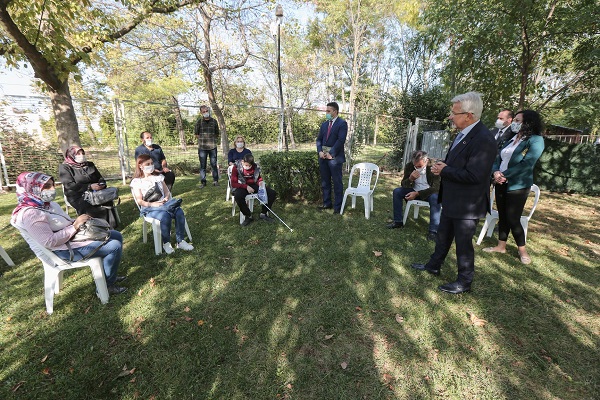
[(271, 211)]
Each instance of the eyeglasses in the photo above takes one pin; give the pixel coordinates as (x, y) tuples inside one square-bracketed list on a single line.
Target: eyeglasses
[(452, 113)]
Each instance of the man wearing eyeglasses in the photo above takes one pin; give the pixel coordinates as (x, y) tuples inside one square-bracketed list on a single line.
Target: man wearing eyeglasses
[(464, 190)]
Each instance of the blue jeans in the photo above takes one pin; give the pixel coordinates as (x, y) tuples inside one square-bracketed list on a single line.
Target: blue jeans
[(331, 171), (165, 217), (434, 208), (111, 254), (203, 155)]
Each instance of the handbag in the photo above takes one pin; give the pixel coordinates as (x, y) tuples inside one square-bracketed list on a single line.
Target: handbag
[(98, 197), (94, 229), (153, 194)]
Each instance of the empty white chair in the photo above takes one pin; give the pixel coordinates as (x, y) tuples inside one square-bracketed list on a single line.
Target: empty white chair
[(54, 267), (228, 193), (492, 219), (155, 229), (249, 198), (363, 187), (416, 204)]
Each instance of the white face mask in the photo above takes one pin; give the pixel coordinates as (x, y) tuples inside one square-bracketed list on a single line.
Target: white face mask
[(148, 169), (206, 115), (80, 158), (247, 167), (48, 195), (516, 127), (148, 142), (499, 124), (239, 145)]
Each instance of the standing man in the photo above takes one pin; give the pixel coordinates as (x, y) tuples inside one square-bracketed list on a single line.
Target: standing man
[(464, 191), (158, 157), (330, 146), (421, 184), (502, 131), (207, 133)]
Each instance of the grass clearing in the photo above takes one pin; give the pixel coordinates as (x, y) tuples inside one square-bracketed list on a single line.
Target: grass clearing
[(264, 313)]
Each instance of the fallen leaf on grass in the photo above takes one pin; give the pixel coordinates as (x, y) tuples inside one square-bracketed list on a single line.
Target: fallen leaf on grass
[(327, 337), (563, 251), (186, 309), (8, 320), (44, 359), (152, 282), (140, 292), (289, 386), (344, 365), (188, 319), (200, 322), (476, 320), (87, 310), (132, 380), (17, 386), (399, 318), (377, 253), (387, 378), (46, 371), (358, 308), (125, 372)]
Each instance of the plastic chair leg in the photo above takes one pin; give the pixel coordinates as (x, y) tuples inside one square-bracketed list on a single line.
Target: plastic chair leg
[(343, 204), (367, 200), (157, 237), (408, 205), (6, 258), (51, 286), (98, 275), (484, 230), (525, 224)]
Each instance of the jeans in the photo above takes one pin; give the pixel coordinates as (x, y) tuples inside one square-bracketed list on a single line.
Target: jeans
[(203, 154), (165, 217), (111, 253), (435, 209)]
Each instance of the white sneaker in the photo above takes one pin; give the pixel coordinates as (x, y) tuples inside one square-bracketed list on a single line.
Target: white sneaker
[(183, 245), (168, 248)]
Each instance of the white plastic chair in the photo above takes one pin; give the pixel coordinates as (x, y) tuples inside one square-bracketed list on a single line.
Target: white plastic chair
[(363, 187), (6, 258), (416, 204), (54, 267), (249, 198), (492, 219), (67, 204), (228, 193), (155, 229)]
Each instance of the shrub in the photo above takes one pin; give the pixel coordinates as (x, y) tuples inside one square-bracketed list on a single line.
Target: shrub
[(293, 175)]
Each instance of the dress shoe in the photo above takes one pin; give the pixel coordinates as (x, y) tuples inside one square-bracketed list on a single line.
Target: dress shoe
[(336, 211), (421, 267), (114, 289), (432, 236), (120, 279), (454, 288), (247, 221), (321, 208), (394, 225)]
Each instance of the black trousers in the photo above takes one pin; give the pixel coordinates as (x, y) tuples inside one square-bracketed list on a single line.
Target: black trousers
[(240, 198), (169, 179), (510, 208), (460, 231)]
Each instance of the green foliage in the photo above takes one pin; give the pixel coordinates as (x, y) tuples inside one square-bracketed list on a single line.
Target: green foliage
[(22, 153), (565, 167), (293, 175), (257, 125)]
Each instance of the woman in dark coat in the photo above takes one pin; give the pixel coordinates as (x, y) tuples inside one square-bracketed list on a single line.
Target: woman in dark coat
[(77, 176)]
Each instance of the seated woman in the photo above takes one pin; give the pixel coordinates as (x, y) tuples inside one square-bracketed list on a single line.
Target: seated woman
[(246, 179), (78, 176), (164, 208), (49, 225), (239, 150)]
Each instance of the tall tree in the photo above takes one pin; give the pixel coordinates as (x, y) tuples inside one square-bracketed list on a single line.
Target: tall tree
[(54, 36)]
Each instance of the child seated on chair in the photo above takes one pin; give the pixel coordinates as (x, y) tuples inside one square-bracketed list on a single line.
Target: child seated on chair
[(245, 180), (155, 201)]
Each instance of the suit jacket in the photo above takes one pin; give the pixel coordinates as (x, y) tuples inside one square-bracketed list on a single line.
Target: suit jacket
[(506, 135), (465, 187), (336, 140), (432, 180), (519, 174)]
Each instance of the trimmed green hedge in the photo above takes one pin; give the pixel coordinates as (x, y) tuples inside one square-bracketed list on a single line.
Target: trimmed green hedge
[(294, 175), (565, 167)]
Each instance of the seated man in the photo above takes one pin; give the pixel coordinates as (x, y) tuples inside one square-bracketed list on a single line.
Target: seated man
[(421, 184), (158, 157)]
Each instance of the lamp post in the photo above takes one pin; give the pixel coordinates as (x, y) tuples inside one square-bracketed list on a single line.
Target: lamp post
[(278, 19)]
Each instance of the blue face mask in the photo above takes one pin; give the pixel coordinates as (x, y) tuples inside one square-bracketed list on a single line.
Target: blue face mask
[(328, 117)]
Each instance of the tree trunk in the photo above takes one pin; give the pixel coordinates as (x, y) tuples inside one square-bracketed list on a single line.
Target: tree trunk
[(67, 129), (290, 131), (179, 123)]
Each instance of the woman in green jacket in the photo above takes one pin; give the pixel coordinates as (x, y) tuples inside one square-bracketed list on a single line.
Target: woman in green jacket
[(513, 177)]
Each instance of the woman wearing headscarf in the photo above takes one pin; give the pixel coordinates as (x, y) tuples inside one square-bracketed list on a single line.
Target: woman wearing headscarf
[(50, 226), (77, 176)]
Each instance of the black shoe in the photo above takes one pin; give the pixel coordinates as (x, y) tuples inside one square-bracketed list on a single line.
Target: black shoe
[(455, 288), (394, 225), (432, 236), (202, 185), (266, 218), (114, 289), (247, 221), (421, 267), (321, 208), (336, 211), (120, 279), (215, 183)]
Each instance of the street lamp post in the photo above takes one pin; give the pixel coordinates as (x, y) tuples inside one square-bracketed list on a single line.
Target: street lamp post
[(281, 138)]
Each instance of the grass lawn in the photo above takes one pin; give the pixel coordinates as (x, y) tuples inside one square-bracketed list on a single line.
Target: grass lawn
[(331, 310)]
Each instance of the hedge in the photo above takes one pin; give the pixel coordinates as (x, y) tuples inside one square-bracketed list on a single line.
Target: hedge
[(294, 175)]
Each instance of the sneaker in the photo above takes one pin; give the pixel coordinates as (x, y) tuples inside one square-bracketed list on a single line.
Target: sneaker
[(247, 221), (394, 225), (114, 289), (183, 245), (120, 279), (168, 248), (202, 185), (266, 218), (215, 183)]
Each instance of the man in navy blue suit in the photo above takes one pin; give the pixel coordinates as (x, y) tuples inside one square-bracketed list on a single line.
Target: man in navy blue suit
[(330, 146), (464, 191)]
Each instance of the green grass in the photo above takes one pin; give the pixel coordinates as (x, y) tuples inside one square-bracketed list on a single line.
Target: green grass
[(264, 313)]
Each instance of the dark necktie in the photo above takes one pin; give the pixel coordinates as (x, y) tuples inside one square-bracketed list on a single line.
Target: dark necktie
[(459, 137), (328, 130)]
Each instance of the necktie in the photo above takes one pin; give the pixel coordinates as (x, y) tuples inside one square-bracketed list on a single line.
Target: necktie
[(457, 140), (328, 130)]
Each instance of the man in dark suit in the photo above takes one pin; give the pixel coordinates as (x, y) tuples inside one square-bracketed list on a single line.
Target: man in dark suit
[(464, 190), (502, 131), (330, 146)]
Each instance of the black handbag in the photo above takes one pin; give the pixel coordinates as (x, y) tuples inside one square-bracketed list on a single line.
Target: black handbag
[(98, 197), (153, 194)]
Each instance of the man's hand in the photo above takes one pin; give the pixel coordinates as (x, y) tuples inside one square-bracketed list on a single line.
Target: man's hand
[(165, 169), (328, 156), (321, 155), (411, 195), (437, 168), (414, 175), (96, 186)]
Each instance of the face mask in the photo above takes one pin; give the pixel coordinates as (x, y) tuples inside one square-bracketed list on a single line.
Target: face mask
[(499, 124), (515, 127), (148, 169), (328, 117), (247, 167), (206, 115), (148, 142), (239, 145), (421, 170), (80, 159), (48, 195)]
